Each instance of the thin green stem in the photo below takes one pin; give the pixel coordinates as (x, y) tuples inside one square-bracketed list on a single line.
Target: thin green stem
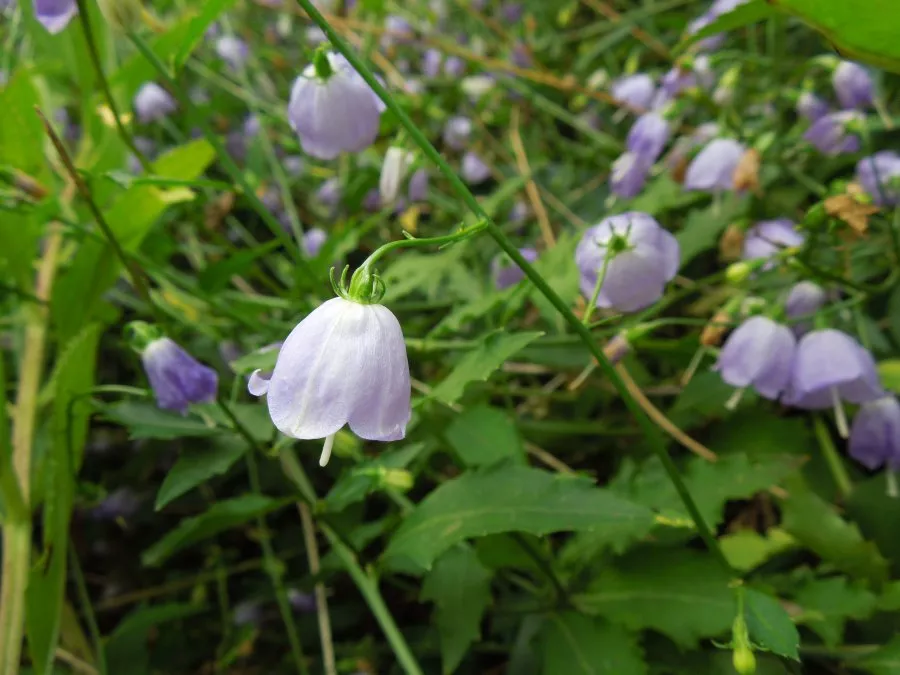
[(830, 453), (413, 242), (84, 18), (272, 566), (87, 609), (234, 172), (657, 443), (365, 580)]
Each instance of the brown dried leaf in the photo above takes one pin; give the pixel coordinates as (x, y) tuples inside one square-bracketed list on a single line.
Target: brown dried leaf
[(731, 244), (847, 208), (746, 174), (712, 333)]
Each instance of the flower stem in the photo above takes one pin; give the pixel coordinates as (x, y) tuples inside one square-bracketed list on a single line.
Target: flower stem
[(838, 471), (651, 432), (365, 580)]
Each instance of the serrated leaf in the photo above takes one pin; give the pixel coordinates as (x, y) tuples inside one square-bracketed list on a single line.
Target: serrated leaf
[(829, 603), (575, 644), (145, 420), (484, 435), (479, 363), (508, 499), (816, 525), (678, 592), (195, 466), (770, 626), (460, 587), (221, 516)]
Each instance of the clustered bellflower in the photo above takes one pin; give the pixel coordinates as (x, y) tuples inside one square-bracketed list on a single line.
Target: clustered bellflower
[(54, 15), (853, 85), (714, 166), (768, 237), (344, 364), (632, 258), (332, 109), (875, 434), (646, 140), (635, 91), (880, 177), (830, 134)]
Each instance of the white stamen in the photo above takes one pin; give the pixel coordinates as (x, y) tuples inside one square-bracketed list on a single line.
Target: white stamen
[(840, 417), (891, 479), (326, 450), (735, 399)]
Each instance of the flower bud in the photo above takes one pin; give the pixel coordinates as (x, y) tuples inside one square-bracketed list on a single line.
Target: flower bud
[(122, 15), (737, 273), (744, 661), (399, 479)]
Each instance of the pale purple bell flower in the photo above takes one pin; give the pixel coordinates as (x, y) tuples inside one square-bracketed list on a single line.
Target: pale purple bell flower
[(313, 240), (454, 66), (233, 51), (506, 273), (397, 31), (831, 367), (345, 363), (330, 192), (372, 201), (875, 434), (628, 175), (880, 177), (305, 603), (336, 114), (804, 299), (152, 103), (708, 44), (757, 354), (714, 166), (635, 91), (648, 136), (811, 106), (853, 85), (519, 212), (417, 190), (642, 259), (520, 56), (457, 131), (830, 134), (767, 237), (512, 12), (680, 78), (54, 15), (258, 381), (686, 144), (474, 170), (294, 165), (431, 62), (176, 377)]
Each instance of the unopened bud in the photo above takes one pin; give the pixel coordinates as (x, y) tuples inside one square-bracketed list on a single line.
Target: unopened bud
[(744, 661), (399, 479), (738, 272)]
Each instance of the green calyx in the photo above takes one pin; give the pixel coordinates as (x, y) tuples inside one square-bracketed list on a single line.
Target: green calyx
[(141, 334), (365, 286), (322, 64), (617, 244)]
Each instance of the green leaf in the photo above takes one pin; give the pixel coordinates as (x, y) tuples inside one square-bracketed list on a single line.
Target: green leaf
[(221, 516), (663, 194), (210, 12), (747, 549), (127, 650), (829, 603), (889, 371), (702, 228), (217, 276), (865, 31), (145, 420), (368, 477), (742, 15), (45, 594), (508, 499), (555, 266), (460, 587), (678, 592), (197, 466), (770, 626), (816, 525), (885, 661), (479, 363), (575, 644), (484, 435), (136, 70)]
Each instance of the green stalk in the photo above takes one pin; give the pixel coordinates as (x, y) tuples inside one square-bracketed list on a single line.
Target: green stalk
[(234, 172), (830, 453), (655, 438), (87, 609), (365, 580)]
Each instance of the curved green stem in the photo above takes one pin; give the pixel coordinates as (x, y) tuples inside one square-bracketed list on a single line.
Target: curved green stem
[(654, 436)]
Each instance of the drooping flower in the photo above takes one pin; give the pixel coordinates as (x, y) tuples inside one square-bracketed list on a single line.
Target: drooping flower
[(628, 175), (454, 66), (333, 112), (634, 257), (830, 134), (830, 367), (233, 51), (152, 103), (713, 168), (635, 91), (811, 106), (457, 131), (757, 354), (474, 170), (176, 377), (431, 62), (417, 190), (880, 177), (853, 85), (648, 136), (506, 273), (313, 240), (696, 73), (875, 434), (345, 363), (768, 237), (683, 147), (397, 163), (804, 299), (329, 193), (54, 15)]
